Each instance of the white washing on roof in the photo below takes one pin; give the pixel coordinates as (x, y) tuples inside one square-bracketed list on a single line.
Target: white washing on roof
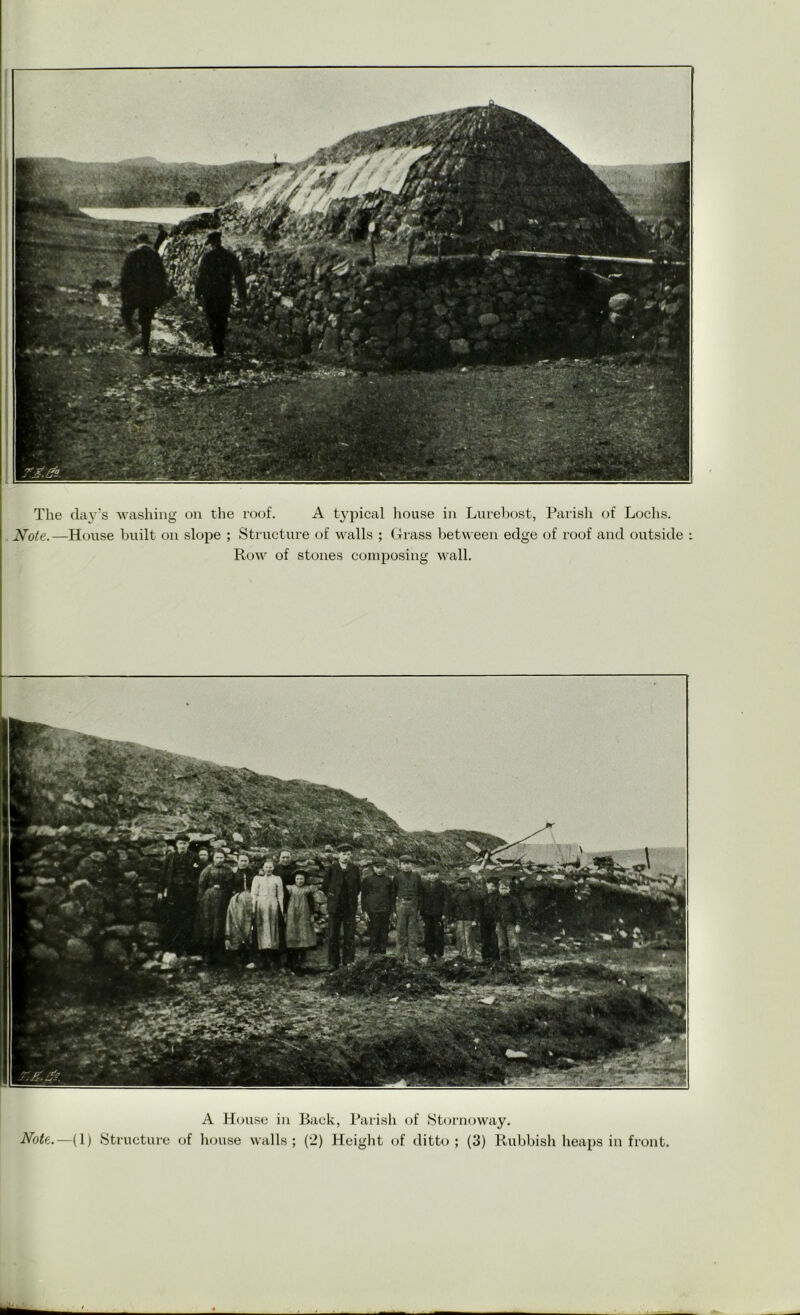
[(258, 194), (316, 186)]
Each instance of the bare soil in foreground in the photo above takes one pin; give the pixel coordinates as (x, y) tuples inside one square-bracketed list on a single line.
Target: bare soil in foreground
[(89, 406), (582, 1019)]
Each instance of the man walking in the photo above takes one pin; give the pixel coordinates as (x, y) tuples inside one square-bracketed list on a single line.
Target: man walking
[(143, 286), (340, 886), (218, 270)]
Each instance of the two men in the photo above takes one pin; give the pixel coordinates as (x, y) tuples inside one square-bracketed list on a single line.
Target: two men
[(144, 286)]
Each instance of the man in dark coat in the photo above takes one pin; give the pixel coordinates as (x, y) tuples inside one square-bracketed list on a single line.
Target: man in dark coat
[(285, 868), (508, 911), (377, 901), (179, 891), (143, 287), (217, 272), (341, 885)]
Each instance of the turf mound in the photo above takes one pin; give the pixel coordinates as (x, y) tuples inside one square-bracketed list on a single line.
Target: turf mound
[(460, 970), (382, 976)]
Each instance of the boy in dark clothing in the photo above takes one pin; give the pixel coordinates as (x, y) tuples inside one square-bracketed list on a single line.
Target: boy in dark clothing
[(377, 902), (432, 909), (218, 270), (487, 919), (509, 913), (143, 287), (462, 910), (407, 892)]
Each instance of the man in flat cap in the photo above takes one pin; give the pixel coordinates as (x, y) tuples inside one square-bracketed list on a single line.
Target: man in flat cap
[(377, 901), (408, 893), (143, 286), (341, 885), (217, 272)]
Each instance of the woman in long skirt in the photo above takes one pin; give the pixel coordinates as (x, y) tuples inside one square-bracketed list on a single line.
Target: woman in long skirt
[(213, 894), (300, 934), (239, 918), (268, 913)]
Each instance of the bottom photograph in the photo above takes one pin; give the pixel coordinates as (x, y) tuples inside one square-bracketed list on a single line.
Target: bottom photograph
[(361, 881)]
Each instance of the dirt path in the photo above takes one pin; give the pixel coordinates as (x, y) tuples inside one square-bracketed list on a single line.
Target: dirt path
[(90, 407)]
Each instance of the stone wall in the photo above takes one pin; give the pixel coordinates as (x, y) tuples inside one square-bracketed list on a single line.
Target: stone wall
[(88, 894), (457, 309), (83, 896)]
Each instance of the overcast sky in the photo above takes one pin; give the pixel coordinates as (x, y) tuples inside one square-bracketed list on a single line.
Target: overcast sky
[(604, 115), (601, 757)]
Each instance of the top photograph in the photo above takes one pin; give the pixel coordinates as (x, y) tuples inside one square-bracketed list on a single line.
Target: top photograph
[(313, 275)]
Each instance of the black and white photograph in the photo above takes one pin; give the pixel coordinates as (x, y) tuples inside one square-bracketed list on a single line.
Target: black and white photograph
[(331, 274), (389, 881)]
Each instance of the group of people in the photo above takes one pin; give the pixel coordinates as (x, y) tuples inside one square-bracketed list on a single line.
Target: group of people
[(144, 286), (216, 902)]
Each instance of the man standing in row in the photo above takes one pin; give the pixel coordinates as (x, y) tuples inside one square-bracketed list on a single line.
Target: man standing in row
[(377, 901), (179, 892), (143, 286), (408, 892), (341, 885), (432, 910), (219, 269)]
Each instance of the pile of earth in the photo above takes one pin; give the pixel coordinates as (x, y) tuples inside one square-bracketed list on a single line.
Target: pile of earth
[(382, 976), (462, 970)]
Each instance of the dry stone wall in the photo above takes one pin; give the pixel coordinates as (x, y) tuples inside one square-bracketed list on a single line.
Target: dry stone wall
[(83, 896), (458, 309), (88, 895)]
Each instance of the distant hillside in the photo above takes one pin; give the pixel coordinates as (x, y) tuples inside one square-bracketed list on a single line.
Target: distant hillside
[(649, 191), (138, 182), (61, 777)]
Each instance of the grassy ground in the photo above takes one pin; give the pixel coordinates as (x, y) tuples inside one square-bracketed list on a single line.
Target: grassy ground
[(91, 408), (581, 1021)]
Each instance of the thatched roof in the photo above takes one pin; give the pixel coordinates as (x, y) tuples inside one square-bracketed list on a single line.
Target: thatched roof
[(483, 172)]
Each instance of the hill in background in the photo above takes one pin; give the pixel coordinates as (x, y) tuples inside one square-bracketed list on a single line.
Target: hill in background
[(649, 191), (139, 182), (65, 778)]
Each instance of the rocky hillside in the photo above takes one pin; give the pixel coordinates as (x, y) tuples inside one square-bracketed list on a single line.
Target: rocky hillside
[(61, 778), (144, 181)]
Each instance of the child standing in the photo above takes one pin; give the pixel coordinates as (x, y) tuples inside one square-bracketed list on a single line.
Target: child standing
[(300, 934), (508, 923), (462, 910)]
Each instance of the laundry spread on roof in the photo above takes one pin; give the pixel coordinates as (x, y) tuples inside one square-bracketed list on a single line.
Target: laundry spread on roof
[(317, 185)]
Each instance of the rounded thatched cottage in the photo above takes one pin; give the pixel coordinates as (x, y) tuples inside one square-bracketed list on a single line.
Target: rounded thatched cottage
[(406, 245), (482, 174)]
